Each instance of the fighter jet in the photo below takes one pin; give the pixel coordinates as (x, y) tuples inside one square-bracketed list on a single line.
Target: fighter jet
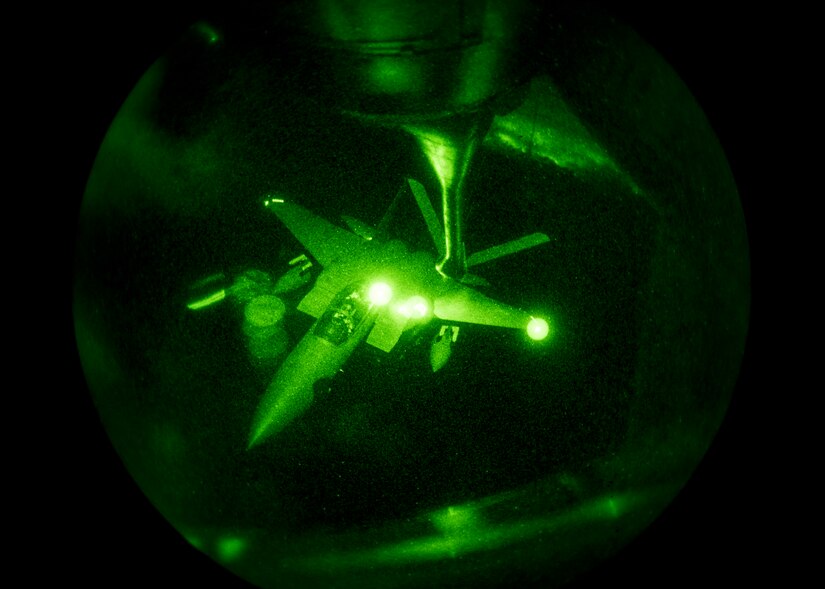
[(372, 289)]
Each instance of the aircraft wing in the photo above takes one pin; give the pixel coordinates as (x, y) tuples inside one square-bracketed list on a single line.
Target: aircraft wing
[(466, 305), (326, 242)]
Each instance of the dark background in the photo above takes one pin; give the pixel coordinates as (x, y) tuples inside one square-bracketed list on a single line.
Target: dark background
[(98, 530)]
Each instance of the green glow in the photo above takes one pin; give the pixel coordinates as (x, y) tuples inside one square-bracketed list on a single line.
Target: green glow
[(428, 212), (230, 548), (296, 277), (359, 227), (480, 68), (449, 145), (469, 306), (212, 278), (418, 307), (268, 345), (380, 294), (195, 541), (208, 32), (264, 311), (624, 390), (168, 441), (346, 256), (395, 74), (544, 127), (537, 328), (506, 249), (377, 22), (612, 507), (442, 155), (464, 519), (461, 530), (210, 300)]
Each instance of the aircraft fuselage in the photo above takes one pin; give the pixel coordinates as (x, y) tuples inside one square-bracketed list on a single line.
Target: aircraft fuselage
[(320, 354)]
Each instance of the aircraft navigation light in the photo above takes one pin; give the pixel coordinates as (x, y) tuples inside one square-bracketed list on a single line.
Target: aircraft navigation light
[(380, 294), (537, 328), (416, 307)]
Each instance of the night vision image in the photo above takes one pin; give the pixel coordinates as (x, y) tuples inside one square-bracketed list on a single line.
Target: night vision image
[(383, 294)]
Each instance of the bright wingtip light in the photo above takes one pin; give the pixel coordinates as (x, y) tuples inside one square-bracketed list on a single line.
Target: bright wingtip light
[(380, 294), (537, 328)]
